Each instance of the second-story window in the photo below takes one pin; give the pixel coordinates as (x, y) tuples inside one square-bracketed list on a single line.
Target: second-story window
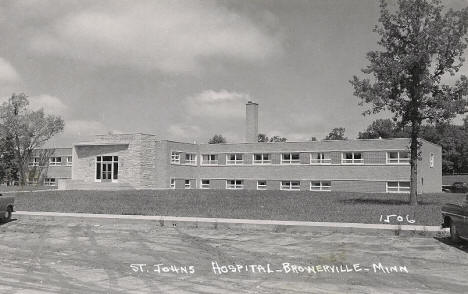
[(53, 161), (319, 158), (352, 158), (191, 158), (261, 158), (209, 159), (395, 157), (234, 158), (34, 161), (290, 158), (175, 157), (69, 161)]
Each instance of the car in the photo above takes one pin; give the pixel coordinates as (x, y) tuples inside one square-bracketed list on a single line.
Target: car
[(6, 207), (458, 187), (456, 218)]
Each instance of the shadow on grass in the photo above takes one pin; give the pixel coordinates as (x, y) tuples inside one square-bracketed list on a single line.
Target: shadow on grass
[(463, 246), (5, 222), (382, 201)]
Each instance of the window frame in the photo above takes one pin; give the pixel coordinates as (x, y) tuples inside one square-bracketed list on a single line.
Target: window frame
[(431, 160), (261, 187), (34, 162), (114, 162), (191, 161), (353, 160), (398, 188), (398, 159), (210, 161), (262, 161), (205, 186), (172, 184), (321, 187), (319, 161), (69, 162), (49, 182), (291, 161), (189, 186), (175, 157), (290, 186), (236, 160), (53, 161), (235, 186)]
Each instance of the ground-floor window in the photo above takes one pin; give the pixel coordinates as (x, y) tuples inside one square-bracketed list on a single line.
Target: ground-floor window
[(234, 184), (320, 186), (291, 185), (107, 168), (205, 184), (398, 187), (50, 182), (172, 184), (261, 185), (188, 184)]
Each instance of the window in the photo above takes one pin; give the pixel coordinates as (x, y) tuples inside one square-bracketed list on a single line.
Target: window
[(205, 184), (234, 184), (172, 185), (175, 157), (396, 157), (191, 158), (431, 160), (188, 185), (261, 185), (53, 161), (34, 161), (261, 158), (398, 187), (291, 185), (69, 161), (107, 168), (319, 158), (351, 158), (235, 158), (320, 186), (290, 158), (209, 159), (50, 182)]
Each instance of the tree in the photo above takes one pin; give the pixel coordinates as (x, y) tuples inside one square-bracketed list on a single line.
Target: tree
[(26, 130), (337, 134), (420, 45), (217, 139), (381, 128), (8, 168), (262, 138), (278, 139)]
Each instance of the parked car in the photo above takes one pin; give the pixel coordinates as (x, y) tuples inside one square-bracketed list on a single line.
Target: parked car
[(6, 207), (456, 218), (457, 187)]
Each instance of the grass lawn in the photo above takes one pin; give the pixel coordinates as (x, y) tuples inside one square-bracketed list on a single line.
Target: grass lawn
[(276, 205)]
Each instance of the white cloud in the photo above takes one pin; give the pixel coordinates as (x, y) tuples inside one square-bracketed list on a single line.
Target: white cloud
[(171, 36), (50, 104), (8, 73), (221, 104)]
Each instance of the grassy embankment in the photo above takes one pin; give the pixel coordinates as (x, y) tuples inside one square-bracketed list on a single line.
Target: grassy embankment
[(275, 205)]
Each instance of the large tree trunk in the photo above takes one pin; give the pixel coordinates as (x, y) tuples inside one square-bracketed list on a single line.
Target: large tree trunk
[(414, 164)]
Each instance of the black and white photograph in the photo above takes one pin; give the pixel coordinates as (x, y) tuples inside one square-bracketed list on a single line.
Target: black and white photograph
[(233, 146)]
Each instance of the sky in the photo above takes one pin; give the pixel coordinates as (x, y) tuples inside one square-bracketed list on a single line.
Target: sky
[(183, 70)]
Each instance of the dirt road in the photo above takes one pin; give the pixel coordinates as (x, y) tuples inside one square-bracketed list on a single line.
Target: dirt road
[(72, 255)]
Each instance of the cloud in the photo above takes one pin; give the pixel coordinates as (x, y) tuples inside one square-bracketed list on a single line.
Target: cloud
[(181, 131), (170, 36), (221, 104), (8, 73), (50, 104), (84, 128)]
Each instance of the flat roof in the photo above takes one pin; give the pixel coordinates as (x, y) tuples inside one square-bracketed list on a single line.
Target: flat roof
[(100, 143)]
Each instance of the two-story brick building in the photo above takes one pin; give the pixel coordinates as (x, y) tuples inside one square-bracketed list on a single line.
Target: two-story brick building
[(120, 161)]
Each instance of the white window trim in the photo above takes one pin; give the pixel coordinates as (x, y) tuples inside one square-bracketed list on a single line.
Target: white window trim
[(210, 162), (48, 182), (399, 188), (175, 157), (53, 162), (352, 161), (191, 161), (69, 163), (235, 186), (291, 161), (322, 187), (262, 161), (321, 161), (34, 161), (95, 168), (261, 187), (202, 185), (172, 183), (431, 160), (236, 161), (399, 160), (188, 186), (290, 186)]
